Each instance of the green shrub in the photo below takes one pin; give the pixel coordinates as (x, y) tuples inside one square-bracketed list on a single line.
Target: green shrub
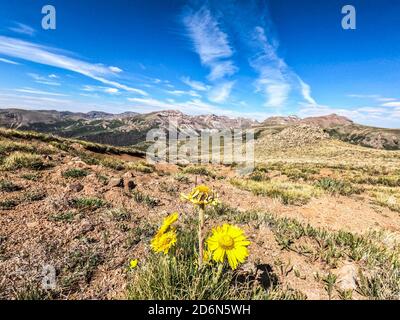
[(8, 186), (334, 186), (35, 196), (120, 214), (64, 216), (8, 204), (75, 173), (139, 197), (88, 203), (31, 176)]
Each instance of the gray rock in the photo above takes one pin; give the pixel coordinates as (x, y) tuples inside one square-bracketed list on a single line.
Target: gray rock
[(86, 226), (76, 187), (116, 182), (347, 277)]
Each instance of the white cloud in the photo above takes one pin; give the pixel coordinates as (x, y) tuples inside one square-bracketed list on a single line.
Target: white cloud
[(8, 61), (44, 55), (273, 72), (39, 92), (195, 85), (221, 70), (364, 96), (391, 104), (43, 80), (182, 92), (115, 69), (22, 29), (306, 92), (277, 94), (386, 99), (221, 92), (376, 97), (112, 91), (210, 43)]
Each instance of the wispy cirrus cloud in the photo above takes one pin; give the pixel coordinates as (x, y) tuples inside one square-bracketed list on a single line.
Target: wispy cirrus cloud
[(375, 97), (183, 92), (210, 43), (8, 61), (306, 92), (195, 85), (273, 72), (40, 92), (221, 92), (49, 56), (48, 80), (101, 89), (22, 28), (395, 104)]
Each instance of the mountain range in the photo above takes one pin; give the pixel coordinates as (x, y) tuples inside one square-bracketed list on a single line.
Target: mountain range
[(130, 128)]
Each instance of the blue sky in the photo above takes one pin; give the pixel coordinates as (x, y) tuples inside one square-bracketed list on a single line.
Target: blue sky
[(237, 58)]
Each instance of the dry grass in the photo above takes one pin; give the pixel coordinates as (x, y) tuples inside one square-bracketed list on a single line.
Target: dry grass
[(19, 160), (287, 192)]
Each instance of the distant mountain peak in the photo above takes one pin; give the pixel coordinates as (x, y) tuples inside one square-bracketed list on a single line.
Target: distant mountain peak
[(331, 120)]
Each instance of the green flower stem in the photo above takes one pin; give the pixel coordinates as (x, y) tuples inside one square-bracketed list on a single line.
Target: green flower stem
[(201, 227)]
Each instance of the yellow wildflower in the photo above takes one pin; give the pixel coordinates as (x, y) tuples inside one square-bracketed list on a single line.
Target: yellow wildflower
[(162, 242), (133, 264), (230, 241), (168, 221), (201, 195)]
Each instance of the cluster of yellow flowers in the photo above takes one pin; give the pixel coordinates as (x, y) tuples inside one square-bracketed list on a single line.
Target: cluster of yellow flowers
[(226, 241)]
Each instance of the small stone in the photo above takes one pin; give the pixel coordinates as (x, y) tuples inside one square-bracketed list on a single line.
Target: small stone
[(76, 187), (116, 182), (347, 277), (129, 185), (86, 226)]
